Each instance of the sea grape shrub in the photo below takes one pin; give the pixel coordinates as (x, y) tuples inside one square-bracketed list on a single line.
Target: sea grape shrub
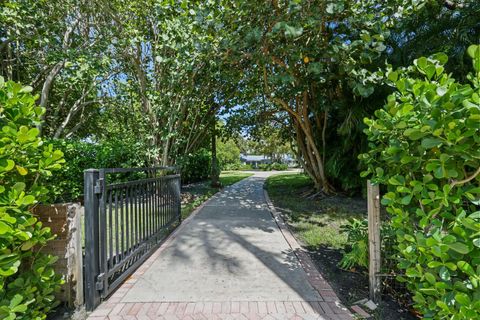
[(27, 279), (195, 166), (424, 145)]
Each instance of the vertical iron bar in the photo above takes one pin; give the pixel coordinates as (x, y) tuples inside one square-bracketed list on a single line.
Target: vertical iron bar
[(144, 199), (110, 229), (161, 194), (117, 229), (178, 199), (143, 195), (135, 214), (165, 203), (148, 210), (134, 217), (92, 296), (142, 226), (157, 206), (147, 216), (156, 216), (152, 214), (172, 199), (127, 222), (167, 200), (142, 213), (103, 232), (170, 195), (179, 182), (145, 202), (138, 205), (122, 222)]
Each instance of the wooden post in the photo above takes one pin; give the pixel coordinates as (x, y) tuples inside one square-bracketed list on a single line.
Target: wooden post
[(215, 170), (374, 241)]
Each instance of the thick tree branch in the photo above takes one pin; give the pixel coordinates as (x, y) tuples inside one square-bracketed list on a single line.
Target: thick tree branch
[(467, 179)]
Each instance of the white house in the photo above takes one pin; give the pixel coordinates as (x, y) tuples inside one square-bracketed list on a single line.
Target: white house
[(254, 160)]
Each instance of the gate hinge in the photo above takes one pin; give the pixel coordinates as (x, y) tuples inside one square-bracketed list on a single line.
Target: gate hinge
[(99, 283), (99, 186)]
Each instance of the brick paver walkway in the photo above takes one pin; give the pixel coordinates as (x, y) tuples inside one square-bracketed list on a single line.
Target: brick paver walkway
[(233, 258)]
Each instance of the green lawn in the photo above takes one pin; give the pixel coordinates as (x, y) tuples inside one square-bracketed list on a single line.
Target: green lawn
[(200, 192), (315, 222)]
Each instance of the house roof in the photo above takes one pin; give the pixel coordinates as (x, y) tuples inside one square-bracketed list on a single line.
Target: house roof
[(251, 157)]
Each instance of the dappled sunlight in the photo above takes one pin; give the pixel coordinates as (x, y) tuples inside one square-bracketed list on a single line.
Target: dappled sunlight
[(232, 248)]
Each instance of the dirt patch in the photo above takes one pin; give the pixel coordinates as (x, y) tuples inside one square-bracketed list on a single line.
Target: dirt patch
[(353, 286)]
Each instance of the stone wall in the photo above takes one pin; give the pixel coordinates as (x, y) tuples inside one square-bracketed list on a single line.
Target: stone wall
[(65, 221)]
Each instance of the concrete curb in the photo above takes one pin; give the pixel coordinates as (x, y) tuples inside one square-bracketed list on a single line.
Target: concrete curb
[(315, 278)]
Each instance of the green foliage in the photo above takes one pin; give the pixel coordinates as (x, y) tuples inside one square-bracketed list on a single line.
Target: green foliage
[(280, 184), (425, 146), (273, 166), (279, 166), (195, 167), (265, 166), (228, 154), (159, 71), (237, 166), (27, 279), (244, 167), (357, 236), (67, 183), (316, 222)]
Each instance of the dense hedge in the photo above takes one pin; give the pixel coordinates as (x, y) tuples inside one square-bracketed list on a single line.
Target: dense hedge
[(228, 155), (273, 166), (195, 167), (27, 279), (67, 183), (425, 147), (237, 166)]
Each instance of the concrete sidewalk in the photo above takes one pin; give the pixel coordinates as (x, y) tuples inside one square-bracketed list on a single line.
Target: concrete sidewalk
[(229, 261)]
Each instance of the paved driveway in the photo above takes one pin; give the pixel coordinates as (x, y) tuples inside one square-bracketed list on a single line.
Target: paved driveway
[(230, 260)]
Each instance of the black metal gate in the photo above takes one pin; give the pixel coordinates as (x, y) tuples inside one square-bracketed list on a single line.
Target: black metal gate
[(127, 214)]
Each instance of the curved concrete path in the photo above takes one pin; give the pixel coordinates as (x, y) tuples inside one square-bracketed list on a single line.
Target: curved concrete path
[(229, 260)]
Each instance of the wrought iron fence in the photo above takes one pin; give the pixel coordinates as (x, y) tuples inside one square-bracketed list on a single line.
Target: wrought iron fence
[(128, 212)]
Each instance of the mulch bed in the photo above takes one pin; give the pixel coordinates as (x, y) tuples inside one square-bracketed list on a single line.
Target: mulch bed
[(352, 286)]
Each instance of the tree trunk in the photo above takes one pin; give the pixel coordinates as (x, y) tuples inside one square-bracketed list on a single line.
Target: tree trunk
[(47, 85), (314, 164), (215, 173)]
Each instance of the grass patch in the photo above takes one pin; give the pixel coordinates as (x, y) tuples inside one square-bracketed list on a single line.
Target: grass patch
[(200, 192), (315, 222)]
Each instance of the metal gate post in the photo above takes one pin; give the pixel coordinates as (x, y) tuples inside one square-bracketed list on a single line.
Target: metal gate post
[(178, 198), (102, 280), (92, 255)]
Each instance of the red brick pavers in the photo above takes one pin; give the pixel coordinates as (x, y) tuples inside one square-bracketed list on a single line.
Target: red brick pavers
[(326, 306), (287, 310)]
